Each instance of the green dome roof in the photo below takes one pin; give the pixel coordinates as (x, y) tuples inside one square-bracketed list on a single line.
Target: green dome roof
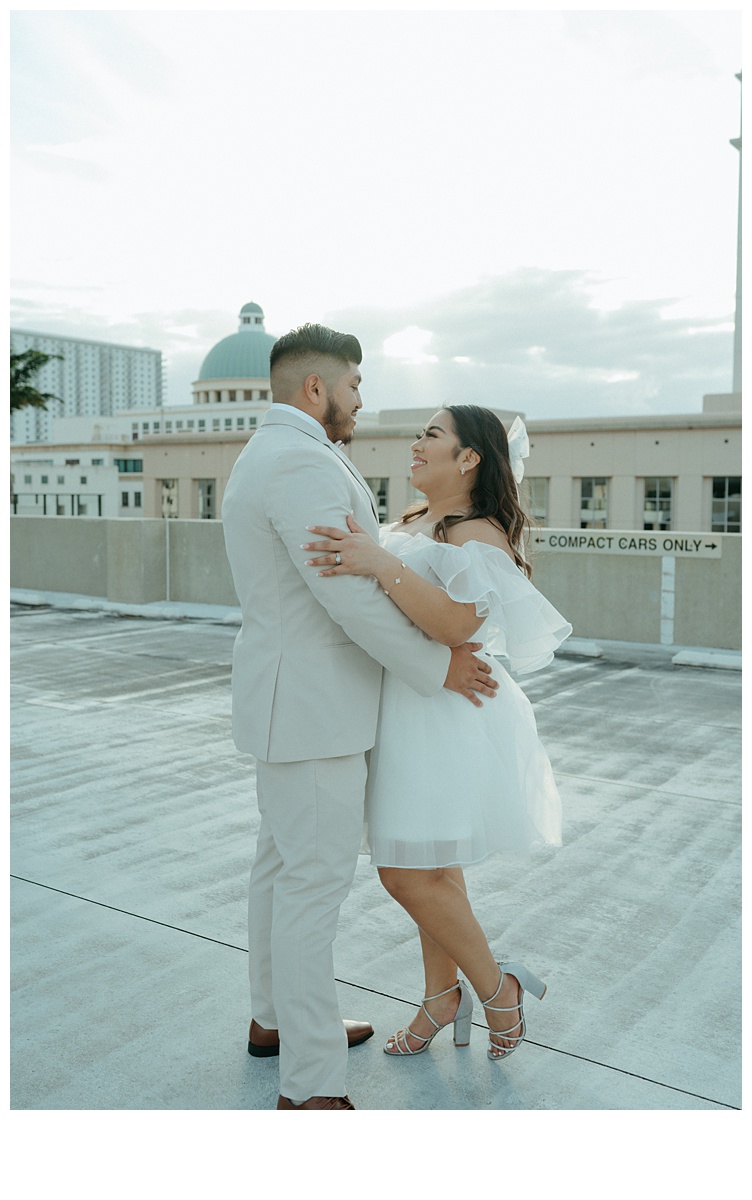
[(242, 355)]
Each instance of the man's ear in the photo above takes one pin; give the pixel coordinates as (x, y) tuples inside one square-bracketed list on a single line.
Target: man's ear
[(314, 389)]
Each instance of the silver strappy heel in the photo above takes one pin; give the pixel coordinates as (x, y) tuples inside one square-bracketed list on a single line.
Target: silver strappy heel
[(462, 1021), (516, 1033)]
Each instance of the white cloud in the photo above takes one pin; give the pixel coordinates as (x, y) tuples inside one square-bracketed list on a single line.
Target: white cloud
[(588, 360), (410, 345), (379, 164)]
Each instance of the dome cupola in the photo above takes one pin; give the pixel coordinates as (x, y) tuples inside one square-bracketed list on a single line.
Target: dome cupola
[(242, 355)]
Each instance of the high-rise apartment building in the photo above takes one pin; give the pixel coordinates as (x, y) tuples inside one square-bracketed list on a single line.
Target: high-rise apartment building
[(90, 378)]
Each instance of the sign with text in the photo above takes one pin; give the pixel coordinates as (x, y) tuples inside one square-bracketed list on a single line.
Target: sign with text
[(628, 541)]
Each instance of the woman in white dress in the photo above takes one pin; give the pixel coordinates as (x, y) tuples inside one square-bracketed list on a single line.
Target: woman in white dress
[(451, 782)]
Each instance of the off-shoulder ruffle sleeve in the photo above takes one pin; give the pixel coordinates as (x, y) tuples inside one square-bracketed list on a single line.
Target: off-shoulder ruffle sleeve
[(520, 625)]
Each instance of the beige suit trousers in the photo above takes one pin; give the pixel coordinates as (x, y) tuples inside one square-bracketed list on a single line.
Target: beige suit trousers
[(307, 851)]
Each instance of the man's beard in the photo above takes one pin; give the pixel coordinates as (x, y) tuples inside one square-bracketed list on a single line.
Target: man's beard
[(336, 424)]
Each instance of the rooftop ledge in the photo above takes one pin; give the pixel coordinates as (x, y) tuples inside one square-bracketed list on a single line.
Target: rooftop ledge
[(174, 610)]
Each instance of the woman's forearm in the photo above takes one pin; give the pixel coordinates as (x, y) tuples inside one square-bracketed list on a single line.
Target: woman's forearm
[(427, 606), (354, 552)]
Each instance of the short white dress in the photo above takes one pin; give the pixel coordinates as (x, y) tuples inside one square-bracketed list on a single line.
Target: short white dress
[(450, 783)]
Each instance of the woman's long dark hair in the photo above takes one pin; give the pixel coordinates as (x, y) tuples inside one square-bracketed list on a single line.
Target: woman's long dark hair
[(494, 493)]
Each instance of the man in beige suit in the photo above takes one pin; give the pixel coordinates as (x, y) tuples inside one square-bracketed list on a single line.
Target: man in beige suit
[(306, 682)]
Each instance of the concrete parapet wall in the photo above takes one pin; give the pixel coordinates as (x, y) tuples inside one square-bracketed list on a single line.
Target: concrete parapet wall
[(710, 611), (62, 554), (604, 597), (199, 570), (622, 598), (136, 562)]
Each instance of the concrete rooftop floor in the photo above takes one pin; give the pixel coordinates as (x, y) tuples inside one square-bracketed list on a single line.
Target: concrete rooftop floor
[(133, 825)]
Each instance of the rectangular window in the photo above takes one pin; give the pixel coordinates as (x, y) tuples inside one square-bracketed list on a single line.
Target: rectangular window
[(27, 479), (726, 514), (136, 499), (83, 478), (97, 462), (206, 498), (202, 423), (156, 427), (241, 423), (659, 503), (535, 494), (61, 479), (251, 422), (380, 489), (215, 423), (44, 479), (178, 424), (228, 422), (594, 503), (129, 466), (169, 497), (124, 499), (168, 426), (191, 424)]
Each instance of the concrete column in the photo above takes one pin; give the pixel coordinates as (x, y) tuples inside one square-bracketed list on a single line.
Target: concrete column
[(563, 507), (621, 503), (692, 504)]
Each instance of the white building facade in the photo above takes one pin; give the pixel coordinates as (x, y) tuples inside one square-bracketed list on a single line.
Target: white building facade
[(649, 473), (77, 481), (223, 417), (91, 379)]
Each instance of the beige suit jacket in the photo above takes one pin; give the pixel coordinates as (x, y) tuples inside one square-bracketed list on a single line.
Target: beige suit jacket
[(307, 663)]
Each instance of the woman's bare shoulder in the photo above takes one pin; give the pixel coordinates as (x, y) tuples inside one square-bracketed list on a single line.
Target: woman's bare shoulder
[(480, 530)]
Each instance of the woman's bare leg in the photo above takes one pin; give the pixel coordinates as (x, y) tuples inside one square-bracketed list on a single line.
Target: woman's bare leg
[(439, 968), (450, 938), (440, 972)]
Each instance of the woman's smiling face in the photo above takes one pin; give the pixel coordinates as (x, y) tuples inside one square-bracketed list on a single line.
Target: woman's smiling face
[(435, 455)]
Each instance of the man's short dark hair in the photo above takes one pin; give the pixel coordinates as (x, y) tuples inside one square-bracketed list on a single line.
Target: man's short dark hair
[(316, 339)]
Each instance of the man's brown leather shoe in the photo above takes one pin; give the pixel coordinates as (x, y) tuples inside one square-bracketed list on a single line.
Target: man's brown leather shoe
[(264, 1043), (318, 1102)]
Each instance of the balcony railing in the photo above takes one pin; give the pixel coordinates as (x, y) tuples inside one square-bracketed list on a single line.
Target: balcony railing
[(60, 504)]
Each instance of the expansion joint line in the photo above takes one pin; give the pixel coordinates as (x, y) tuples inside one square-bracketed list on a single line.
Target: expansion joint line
[(371, 991)]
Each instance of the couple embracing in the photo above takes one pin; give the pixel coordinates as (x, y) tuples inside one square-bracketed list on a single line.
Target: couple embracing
[(354, 640)]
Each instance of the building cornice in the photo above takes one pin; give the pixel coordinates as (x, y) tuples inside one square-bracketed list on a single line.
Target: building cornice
[(617, 424)]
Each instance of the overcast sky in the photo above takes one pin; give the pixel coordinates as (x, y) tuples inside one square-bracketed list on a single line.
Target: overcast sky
[(535, 210)]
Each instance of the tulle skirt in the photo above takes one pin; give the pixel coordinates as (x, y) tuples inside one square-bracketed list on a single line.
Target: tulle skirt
[(449, 783)]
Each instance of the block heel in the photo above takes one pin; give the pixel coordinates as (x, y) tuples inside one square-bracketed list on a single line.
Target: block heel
[(462, 1021), (527, 982)]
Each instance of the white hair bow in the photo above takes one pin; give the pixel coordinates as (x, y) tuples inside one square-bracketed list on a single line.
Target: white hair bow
[(519, 448)]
